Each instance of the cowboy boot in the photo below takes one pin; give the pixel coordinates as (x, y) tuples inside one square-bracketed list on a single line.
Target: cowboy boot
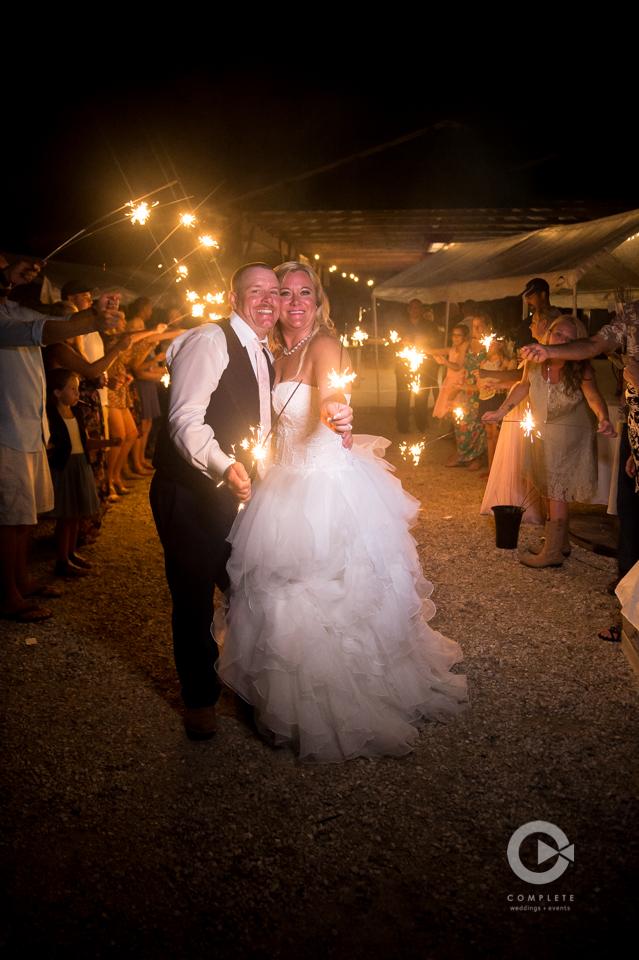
[(551, 555), (566, 547)]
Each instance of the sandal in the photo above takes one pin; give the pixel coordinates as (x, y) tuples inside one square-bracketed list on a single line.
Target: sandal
[(614, 635)]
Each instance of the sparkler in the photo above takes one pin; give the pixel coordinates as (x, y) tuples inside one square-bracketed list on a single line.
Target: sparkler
[(141, 212), (359, 336), (215, 316), (198, 310), (394, 337), (166, 379), (459, 414), (344, 340), (130, 203), (208, 241), (413, 450), (338, 381), (192, 296), (256, 446), (214, 298), (528, 424), (412, 357), (187, 220), (415, 384), (486, 341)]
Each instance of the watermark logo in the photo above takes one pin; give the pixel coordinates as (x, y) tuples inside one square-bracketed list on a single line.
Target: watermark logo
[(565, 852)]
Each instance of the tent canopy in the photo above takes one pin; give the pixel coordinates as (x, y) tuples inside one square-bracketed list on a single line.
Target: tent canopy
[(600, 256)]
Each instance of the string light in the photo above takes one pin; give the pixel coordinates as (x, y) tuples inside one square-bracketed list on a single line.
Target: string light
[(332, 269), (369, 283)]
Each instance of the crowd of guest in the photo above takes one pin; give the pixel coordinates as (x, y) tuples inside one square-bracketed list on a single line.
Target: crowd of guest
[(79, 394), (493, 381)]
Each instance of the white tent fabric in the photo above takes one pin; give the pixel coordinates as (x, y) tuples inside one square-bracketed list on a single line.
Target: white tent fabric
[(600, 256)]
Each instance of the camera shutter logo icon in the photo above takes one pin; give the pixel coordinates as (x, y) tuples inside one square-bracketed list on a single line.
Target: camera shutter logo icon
[(565, 852)]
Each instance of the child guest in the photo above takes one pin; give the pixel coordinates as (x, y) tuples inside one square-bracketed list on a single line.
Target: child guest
[(74, 486)]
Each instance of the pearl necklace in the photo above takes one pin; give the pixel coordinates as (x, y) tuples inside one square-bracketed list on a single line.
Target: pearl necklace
[(287, 352)]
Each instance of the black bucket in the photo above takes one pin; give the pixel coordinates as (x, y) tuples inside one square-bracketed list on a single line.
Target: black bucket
[(507, 523)]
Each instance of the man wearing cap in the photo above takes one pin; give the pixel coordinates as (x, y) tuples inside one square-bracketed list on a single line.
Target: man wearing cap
[(537, 294)]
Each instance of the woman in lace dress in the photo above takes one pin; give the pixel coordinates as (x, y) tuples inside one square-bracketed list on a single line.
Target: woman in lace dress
[(327, 633), (561, 460)]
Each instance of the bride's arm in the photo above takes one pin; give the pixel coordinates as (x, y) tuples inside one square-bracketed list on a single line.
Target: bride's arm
[(328, 360)]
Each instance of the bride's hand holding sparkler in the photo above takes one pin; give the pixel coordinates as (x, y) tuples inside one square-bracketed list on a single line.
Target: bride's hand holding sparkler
[(238, 481)]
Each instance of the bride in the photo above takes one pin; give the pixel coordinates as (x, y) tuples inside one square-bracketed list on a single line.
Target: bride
[(327, 635)]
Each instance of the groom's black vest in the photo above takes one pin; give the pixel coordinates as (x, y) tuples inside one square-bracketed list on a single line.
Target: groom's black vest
[(234, 407)]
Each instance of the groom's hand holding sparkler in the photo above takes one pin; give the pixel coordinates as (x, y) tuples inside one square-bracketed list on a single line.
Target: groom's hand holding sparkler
[(238, 481)]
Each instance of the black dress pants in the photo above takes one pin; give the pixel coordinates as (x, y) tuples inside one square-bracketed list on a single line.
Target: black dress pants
[(193, 530)]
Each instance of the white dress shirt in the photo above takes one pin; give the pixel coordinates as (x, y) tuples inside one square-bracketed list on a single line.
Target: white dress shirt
[(196, 361)]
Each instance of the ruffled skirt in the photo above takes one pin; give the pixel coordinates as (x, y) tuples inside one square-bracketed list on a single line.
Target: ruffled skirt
[(327, 633)]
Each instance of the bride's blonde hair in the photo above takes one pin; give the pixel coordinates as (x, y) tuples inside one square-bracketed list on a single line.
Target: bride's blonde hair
[(323, 323)]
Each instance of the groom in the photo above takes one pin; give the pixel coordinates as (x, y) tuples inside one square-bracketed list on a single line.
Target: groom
[(221, 378)]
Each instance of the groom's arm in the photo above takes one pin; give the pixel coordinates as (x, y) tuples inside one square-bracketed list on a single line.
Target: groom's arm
[(196, 365)]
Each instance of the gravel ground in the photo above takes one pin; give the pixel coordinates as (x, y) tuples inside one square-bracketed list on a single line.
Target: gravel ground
[(121, 838)]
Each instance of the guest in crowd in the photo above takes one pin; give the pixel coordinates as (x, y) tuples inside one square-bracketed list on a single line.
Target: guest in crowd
[(561, 461), (622, 334), (454, 355), (75, 492), (491, 396), (25, 480), (470, 432), (421, 333), (537, 296), (69, 355)]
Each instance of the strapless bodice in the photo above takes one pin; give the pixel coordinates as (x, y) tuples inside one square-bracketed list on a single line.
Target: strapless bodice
[(300, 439)]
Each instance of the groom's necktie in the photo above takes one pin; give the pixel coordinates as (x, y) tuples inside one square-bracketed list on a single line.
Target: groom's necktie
[(264, 387)]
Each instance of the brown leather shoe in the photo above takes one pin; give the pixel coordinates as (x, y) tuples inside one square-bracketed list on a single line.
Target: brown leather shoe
[(200, 723)]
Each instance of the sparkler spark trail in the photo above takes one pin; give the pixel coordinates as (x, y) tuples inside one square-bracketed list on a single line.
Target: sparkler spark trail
[(412, 357), (105, 216), (192, 296), (208, 241), (486, 341), (394, 337), (187, 220), (338, 381), (198, 310), (459, 414), (166, 379), (414, 385)]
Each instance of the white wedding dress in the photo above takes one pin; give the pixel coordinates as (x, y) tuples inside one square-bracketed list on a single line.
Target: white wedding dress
[(327, 635)]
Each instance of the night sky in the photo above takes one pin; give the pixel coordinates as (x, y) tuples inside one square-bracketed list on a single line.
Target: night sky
[(519, 137)]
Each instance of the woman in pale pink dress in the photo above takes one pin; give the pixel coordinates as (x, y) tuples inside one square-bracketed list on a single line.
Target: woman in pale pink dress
[(454, 378)]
